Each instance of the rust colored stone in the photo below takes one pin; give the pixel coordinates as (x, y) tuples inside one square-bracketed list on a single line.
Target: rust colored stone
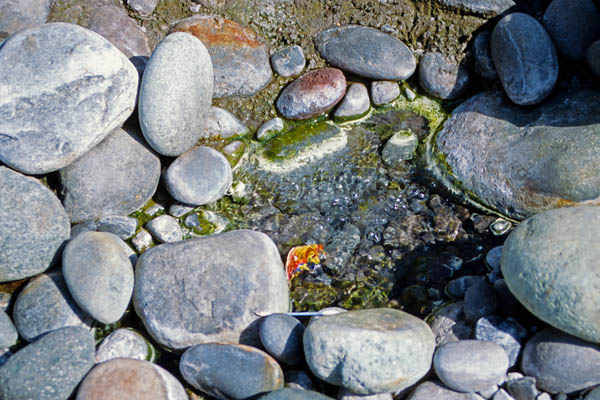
[(216, 31)]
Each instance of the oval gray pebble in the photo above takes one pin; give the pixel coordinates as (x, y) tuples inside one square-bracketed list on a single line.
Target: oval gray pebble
[(126, 343), (384, 92), (165, 229), (442, 78), (288, 61), (281, 335), (355, 103)]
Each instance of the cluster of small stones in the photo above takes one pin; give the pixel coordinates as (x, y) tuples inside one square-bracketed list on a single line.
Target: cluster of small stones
[(122, 184)]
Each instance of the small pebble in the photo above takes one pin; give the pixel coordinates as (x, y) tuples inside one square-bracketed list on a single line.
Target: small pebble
[(402, 146), (442, 78), (298, 379), (179, 209), (502, 395), (492, 258), (384, 92), (489, 392), (480, 301), (142, 240), (85, 226), (143, 7), (269, 129), (355, 103), (523, 388), (505, 332), (450, 325), (281, 335), (123, 227), (165, 229), (126, 343), (457, 288), (221, 124), (288, 61)]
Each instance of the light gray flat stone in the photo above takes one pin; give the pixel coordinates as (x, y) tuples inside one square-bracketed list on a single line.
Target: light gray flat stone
[(143, 7), (123, 227), (384, 92), (269, 129), (221, 124), (355, 103), (165, 229)]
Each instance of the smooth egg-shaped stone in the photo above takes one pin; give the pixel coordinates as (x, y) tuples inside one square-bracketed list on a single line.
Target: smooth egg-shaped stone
[(312, 94), (175, 94), (525, 58)]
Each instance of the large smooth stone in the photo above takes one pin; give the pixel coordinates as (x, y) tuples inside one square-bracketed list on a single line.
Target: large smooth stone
[(517, 161), (369, 351), (573, 25), (63, 89), (484, 7), (16, 15), (99, 275), (45, 305), (212, 290), (175, 94), (33, 226), (240, 57), (116, 177), (560, 362), (366, 52), (126, 378), (231, 371), (312, 94), (550, 264), (50, 368), (525, 58)]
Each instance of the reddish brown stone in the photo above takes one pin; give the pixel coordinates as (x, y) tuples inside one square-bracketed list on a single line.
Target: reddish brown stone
[(216, 31), (312, 94)]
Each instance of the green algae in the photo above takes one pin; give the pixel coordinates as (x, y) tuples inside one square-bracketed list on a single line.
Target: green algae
[(288, 144)]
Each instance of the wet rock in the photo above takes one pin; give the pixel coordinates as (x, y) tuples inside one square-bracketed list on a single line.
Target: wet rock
[(33, 226), (239, 56), (221, 124), (497, 150), (435, 390), (45, 305), (281, 336), (269, 129), (442, 78), (125, 343), (142, 240), (492, 258), (50, 368), (199, 176), (8, 332), (480, 301), (450, 325), (558, 285), (99, 275), (470, 365), (123, 227), (366, 52), (312, 94), (116, 177), (484, 7), (213, 289), (294, 394), (165, 229), (560, 362), (17, 15), (573, 26), (592, 57), (142, 7), (383, 92), (505, 332), (345, 394), (255, 371), (400, 147), (523, 388), (382, 350), (298, 379), (132, 379), (175, 94), (288, 61), (483, 64), (71, 87), (525, 58), (355, 103), (457, 288)]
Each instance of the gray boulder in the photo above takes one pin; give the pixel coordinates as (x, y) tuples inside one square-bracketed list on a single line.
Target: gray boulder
[(71, 88), (525, 58), (50, 368), (33, 226), (213, 289), (549, 263), (369, 351), (175, 94), (17, 15), (516, 160), (116, 177)]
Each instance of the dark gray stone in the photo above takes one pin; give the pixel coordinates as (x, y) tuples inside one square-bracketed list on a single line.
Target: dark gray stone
[(312, 94), (484, 7), (457, 288), (492, 258), (239, 56), (559, 284), (143, 7), (213, 289), (523, 388), (84, 226), (33, 226), (525, 58), (50, 368), (269, 129), (573, 26), (179, 210), (294, 394), (8, 332), (441, 77), (71, 87), (165, 229), (592, 57), (175, 94), (366, 52), (402, 146), (510, 304), (480, 301), (123, 227), (125, 343), (483, 64), (384, 92), (496, 149), (560, 362), (383, 350), (45, 305), (281, 336), (17, 15), (449, 324), (99, 275), (355, 104), (298, 379), (505, 332), (200, 176), (288, 61), (434, 390), (250, 372), (221, 124), (470, 365)]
